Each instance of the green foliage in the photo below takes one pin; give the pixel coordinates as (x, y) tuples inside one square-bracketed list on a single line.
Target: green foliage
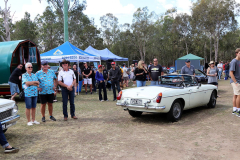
[(25, 29)]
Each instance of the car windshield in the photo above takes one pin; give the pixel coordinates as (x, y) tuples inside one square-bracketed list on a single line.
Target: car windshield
[(177, 80)]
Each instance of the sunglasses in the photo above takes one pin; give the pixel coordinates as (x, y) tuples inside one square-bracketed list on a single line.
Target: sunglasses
[(154, 61), (65, 63), (112, 64), (29, 67)]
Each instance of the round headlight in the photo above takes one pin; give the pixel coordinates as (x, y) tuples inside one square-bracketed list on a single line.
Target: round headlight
[(15, 110)]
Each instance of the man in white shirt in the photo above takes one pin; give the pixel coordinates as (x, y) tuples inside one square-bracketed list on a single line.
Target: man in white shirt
[(220, 69), (125, 74), (67, 80)]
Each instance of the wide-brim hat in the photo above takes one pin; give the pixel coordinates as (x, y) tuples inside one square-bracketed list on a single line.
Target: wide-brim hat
[(211, 62), (65, 61)]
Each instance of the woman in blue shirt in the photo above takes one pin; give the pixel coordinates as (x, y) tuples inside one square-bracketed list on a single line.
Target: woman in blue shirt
[(101, 84), (30, 85)]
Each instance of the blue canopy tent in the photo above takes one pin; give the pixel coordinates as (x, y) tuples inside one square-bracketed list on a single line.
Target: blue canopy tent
[(105, 54), (69, 52)]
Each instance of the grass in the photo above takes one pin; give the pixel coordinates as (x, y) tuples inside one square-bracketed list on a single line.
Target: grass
[(104, 131)]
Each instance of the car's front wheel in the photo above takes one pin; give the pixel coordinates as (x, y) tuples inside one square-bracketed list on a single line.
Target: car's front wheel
[(213, 100), (175, 112), (135, 113)]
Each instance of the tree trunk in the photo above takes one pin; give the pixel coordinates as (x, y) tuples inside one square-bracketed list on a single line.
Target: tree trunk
[(216, 47), (205, 52), (6, 15), (210, 48), (186, 46)]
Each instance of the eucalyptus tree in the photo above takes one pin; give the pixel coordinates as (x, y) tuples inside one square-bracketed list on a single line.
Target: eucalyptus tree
[(25, 29), (215, 17), (110, 29)]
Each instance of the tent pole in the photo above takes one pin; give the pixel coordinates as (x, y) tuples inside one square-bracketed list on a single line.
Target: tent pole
[(78, 75)]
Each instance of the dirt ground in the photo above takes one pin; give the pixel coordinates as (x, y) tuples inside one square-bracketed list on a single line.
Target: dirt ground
[(105, 132)]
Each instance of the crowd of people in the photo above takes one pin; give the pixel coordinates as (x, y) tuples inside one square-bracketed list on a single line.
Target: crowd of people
[(45, 82)]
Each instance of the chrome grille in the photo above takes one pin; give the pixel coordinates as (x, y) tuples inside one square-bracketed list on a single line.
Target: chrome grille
[(5, 114)]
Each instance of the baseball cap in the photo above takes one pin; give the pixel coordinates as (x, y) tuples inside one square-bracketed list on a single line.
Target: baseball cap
[(113, 63), (84, 62), (187, 60), (44, 63), (99, 65)]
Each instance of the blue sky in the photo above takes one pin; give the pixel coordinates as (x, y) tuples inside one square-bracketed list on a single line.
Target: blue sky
[(122, 9)]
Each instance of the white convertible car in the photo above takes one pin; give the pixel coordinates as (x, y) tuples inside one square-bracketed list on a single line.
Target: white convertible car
[(174, 94)]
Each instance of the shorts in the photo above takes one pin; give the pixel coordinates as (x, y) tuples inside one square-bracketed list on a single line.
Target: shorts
[(87, 80), (31, 102), (13, 88), (213, 83), (236, 88), (44, 98), (125, 78)]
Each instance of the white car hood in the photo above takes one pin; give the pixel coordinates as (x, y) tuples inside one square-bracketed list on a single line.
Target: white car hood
[(148, 92), (6, 103)]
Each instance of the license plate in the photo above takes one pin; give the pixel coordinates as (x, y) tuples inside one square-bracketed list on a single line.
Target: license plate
[(3, 126), (136, 101)]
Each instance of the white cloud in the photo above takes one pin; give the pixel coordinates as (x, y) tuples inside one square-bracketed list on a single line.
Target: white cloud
[(101, 7), (183, 6), (34, 7)]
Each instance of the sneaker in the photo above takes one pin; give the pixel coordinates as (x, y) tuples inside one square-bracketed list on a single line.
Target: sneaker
[(86, 92), (102, 100), (11, 150), (90, 92), (43, 119), (52, 118), (114, 99), (29, 123), (107, 100), (237, 113), (35, 122)]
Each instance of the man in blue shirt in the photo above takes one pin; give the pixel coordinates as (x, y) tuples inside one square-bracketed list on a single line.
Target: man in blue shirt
[(188, 68), (48, 84)]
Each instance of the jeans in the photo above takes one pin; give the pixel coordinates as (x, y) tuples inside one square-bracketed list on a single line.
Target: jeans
[(65, 94), (115, 82), (94, 85), (3, 140), (227, 73), (219, 74), (100, 87), (31, 102), (140, 83), (154, 83)]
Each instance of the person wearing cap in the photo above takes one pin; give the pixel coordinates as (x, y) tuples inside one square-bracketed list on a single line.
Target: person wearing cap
[(188, 68), (86, 72), (212, 72), (115, 76), (101, 83), (47, 87), (67, 80), (93, 78)]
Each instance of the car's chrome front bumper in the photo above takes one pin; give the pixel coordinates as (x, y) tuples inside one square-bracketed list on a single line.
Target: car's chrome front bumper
[(145, 107), (9, 122)]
